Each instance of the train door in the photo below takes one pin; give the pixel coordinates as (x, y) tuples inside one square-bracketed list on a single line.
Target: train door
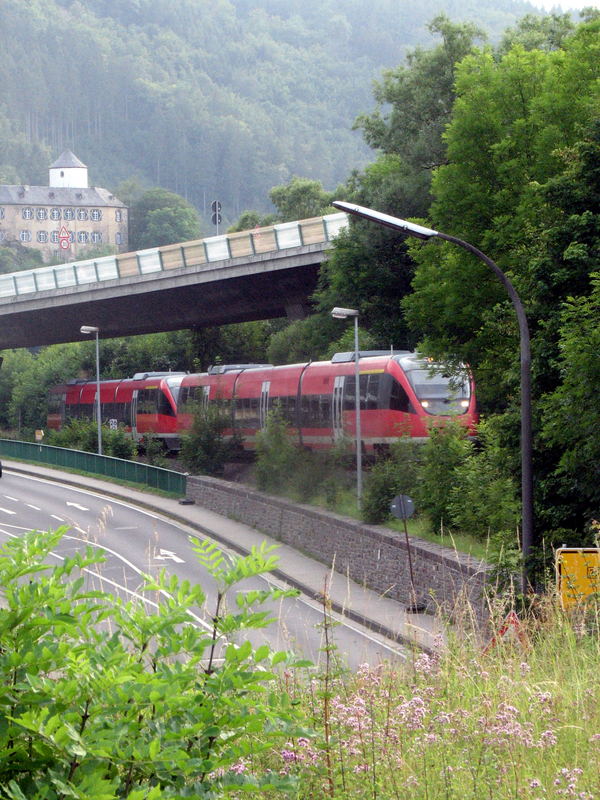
[(205, 396), (133, 410), (264, 403), (337, 407)]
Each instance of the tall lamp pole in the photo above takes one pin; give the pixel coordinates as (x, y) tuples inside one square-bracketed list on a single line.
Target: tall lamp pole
[(418, 231), (92, 329), (344, 313)]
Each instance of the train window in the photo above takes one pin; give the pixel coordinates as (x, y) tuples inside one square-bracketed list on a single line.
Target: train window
[(164, 405), (371, 392), (399, 399), (147, 401), (439, 393)]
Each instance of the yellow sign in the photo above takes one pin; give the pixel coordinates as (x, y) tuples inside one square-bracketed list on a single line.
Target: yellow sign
[(577, 574)]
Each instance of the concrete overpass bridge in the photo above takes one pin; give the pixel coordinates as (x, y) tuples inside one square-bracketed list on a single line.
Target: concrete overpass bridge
[(259, 274)]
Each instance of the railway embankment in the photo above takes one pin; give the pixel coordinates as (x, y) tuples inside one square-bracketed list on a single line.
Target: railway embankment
[(372, 555)]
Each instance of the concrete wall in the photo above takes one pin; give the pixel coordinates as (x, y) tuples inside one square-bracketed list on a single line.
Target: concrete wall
[(369, 554)]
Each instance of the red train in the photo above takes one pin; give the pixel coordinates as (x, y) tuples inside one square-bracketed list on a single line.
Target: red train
[(400, 394)]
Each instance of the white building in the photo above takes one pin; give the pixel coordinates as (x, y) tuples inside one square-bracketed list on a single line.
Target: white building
[(65, 218)]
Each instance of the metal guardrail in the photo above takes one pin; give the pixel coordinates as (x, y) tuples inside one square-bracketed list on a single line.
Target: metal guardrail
[(158, 478), (176, 256)]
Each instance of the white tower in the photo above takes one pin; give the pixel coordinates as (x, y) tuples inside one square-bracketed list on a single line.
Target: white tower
[(68, 171)]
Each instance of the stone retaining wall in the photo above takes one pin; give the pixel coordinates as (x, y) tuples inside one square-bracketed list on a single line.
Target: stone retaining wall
[(372, 555)]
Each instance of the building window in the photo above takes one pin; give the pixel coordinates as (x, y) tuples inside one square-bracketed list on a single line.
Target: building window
[(27, 213), (95, 215), (54, 237), (68, 213), (1, 213), (118, 237), (42, 237), (82, 237), (41, 214), (55, 213), (82, 214), (25, 236), (71, 237), (2, 235), (118, 216), (96, 237)]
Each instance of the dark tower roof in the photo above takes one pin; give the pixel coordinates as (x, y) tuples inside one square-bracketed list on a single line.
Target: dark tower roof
[(67, 159)]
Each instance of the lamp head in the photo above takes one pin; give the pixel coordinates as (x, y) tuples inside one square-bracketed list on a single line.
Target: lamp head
[(402, 225), (89, 329), (343, 313)]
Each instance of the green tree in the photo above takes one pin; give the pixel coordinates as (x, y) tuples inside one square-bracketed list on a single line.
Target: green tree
[(301, 198), (160, 217)]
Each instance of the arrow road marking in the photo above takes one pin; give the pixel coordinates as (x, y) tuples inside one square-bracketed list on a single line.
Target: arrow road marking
[(165, 554)]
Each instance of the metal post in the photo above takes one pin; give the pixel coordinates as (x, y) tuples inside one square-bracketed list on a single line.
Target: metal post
[(98, 405), (357, 405)]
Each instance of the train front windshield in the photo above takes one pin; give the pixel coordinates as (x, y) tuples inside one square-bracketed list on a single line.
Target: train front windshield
[(439, 393)]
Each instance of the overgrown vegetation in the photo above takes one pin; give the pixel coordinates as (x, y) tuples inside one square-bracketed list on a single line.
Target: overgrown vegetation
[(82, 434), (205, 449), (284, 467), (104, 699)]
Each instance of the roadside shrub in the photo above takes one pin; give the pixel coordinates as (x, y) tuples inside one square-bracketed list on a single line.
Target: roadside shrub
[(153, 449), (277, 457), (107, 699), (483, 501), (82, 434), (446, 449), (388, 477), (205, 450)]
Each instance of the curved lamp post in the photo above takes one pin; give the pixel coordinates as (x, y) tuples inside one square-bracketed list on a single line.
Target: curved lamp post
[(420, 232), (344, 313), (92, 329)]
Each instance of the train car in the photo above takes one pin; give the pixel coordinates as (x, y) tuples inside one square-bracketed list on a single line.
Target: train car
[(400, 394), (143, 405)]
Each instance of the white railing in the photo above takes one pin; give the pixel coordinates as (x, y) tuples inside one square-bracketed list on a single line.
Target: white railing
[(282, 236)]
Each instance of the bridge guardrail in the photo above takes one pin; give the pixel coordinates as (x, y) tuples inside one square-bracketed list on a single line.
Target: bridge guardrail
[(189, 254), (133, 471)]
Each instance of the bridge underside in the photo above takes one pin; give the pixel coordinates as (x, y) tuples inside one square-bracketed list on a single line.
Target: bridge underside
[(240, 290)]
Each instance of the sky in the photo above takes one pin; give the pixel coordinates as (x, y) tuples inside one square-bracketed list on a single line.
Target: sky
[(566, 4)]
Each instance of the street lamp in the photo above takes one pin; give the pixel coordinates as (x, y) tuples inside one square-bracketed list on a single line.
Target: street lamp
[(92, 329), (420, 232), (344, 313)]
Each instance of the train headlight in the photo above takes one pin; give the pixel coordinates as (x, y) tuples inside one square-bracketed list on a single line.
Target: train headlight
[(464, 403), (425, 403)]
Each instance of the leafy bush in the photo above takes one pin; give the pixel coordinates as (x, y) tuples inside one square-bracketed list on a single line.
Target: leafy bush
[(277, 456), (205, 450), (483, 501), (388, 477), (446, 449), (104, 700), (82, 434)]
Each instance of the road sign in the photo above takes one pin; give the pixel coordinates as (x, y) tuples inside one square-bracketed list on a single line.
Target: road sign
[(577, 574), (402, 506), (64, 238)]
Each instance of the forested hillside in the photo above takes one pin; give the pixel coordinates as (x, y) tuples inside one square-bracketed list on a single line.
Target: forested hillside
[(206, 99)]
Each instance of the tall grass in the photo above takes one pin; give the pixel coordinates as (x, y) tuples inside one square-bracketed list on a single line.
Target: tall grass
[(513, 722)]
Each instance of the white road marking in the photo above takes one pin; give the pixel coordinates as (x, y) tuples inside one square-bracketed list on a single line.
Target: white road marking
[(14, 499), (59, 519), (164, 554), (7, 511), (35, 508), (76, 505)]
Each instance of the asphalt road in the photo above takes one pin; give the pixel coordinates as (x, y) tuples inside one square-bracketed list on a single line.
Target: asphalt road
[(137, 541)]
